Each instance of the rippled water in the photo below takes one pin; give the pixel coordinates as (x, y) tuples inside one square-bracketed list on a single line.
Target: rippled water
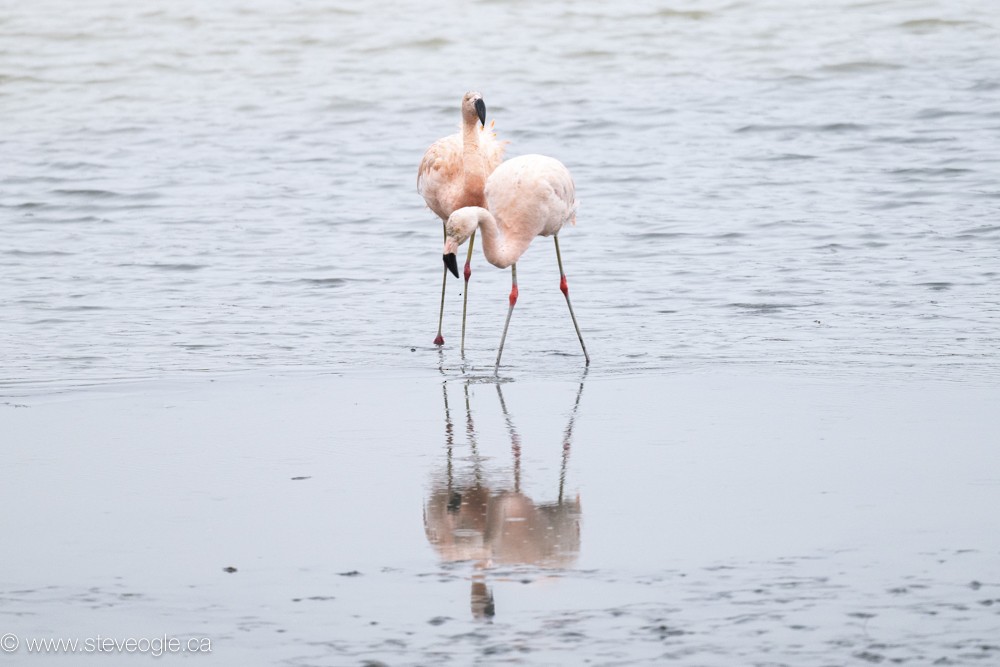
[(188, 187), (192, 188)]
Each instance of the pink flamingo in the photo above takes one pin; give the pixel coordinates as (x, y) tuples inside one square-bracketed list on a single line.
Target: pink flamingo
[(527, 196), (452, 174)]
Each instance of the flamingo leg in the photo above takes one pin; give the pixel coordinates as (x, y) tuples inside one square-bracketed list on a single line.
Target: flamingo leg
[(444, 283), (564, 287), (513, 300), (465, 297)]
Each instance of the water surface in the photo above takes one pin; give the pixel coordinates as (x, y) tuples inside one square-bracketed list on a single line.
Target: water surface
[(223, 416), (187, 188), (699, 518)]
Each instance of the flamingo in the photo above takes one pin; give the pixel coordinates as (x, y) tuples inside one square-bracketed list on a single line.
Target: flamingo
[(452, 174), (526, 196)]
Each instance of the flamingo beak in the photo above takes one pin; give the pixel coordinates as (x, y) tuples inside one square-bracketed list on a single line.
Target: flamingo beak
[(481, 111), (451, 263)]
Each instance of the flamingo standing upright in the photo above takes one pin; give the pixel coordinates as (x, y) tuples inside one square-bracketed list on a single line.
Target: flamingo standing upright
[(452, 174), (527, 196)]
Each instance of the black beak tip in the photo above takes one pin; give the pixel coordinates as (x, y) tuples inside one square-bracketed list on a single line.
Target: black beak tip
[(451, 263), (481, 111)]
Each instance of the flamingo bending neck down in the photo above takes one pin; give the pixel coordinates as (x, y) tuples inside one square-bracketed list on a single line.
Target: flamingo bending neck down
[(527, 196), (452, 175)]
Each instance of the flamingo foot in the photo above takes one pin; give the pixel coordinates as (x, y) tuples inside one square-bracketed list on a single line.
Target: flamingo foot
[(439, 340)]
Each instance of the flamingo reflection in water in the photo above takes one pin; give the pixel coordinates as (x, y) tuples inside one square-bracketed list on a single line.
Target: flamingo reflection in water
[(467, 517)]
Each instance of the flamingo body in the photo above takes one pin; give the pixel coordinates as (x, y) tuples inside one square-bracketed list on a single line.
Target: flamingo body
[(452, 175), (454, 169), (527, 197)]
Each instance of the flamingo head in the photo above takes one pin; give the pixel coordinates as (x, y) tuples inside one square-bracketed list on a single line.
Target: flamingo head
[(473, 107), (458, 229)]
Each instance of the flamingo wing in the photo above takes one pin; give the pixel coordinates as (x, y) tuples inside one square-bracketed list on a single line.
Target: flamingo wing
[(532, 195), (440, 174)]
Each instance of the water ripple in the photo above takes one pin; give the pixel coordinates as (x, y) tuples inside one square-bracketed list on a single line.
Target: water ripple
[(240, 187)]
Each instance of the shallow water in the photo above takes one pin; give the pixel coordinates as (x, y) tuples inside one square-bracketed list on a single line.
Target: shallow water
[(705, 518), (219, 288), (188, 188)]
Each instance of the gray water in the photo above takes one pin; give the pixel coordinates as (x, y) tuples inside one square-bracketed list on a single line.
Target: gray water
[(188, 187), (222, 415), (704, 519)]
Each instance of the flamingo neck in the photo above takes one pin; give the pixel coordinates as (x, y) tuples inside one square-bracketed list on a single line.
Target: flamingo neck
[(497, 246), (470, 134), (473, 164)]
